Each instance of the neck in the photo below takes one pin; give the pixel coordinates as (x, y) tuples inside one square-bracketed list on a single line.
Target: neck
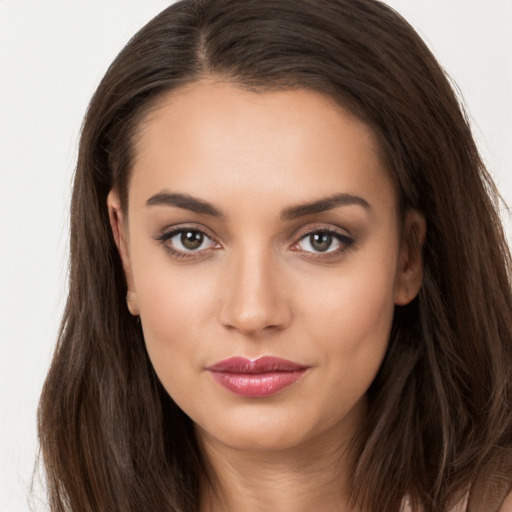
[(313, 476)]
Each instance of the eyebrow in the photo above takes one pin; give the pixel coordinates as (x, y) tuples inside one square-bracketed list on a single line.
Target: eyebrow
[(188, 202), (323, 205), (184, 201)]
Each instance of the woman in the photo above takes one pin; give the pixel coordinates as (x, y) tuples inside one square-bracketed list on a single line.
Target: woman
[(289, 286)]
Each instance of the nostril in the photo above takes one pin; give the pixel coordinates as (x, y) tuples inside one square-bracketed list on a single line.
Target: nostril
[(249, 319), (252, 299)]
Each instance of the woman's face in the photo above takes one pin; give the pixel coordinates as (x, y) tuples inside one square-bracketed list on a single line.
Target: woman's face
[(263, 226)]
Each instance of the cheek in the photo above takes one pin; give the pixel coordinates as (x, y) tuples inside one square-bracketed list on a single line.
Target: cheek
[(357, 301), (170, 322), (351, 323), (174, 308), (175, 303), (171, 297)]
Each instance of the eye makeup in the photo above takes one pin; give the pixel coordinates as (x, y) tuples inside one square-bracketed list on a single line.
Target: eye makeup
[(191, 243), (187, 242), (323, 242)]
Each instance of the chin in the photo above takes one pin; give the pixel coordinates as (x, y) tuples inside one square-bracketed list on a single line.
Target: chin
[(260, 431)]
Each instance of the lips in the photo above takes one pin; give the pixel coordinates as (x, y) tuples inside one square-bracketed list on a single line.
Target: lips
[(257, 378)]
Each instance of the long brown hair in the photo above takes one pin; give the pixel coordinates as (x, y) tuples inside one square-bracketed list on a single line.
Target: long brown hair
[(440, 416)]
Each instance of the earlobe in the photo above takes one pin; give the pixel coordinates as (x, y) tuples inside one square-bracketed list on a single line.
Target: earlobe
[(117, 223), (410, 264)]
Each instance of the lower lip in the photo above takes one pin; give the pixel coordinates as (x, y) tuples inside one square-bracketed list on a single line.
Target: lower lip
[(257, 385)]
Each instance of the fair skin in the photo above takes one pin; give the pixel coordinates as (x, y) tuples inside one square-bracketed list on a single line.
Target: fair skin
[(258, 275)]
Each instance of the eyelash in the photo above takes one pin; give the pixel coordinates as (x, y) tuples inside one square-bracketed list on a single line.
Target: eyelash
[(345, 241), (178, 254)]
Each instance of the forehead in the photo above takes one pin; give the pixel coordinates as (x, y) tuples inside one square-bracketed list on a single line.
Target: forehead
[(290, 145)]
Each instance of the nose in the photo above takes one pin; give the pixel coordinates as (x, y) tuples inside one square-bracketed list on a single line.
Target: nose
[(254, 300)]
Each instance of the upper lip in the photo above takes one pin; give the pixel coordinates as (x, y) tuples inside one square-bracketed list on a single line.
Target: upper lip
[(264, 364)]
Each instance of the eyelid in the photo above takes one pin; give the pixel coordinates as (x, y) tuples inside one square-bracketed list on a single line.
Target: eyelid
[(176, 228), (341, 235), (314, 228), (171, 231)]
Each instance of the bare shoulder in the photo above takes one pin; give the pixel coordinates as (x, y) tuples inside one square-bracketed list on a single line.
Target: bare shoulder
[(507, 504)]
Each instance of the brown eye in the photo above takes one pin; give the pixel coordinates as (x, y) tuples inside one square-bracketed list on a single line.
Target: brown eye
[(323, 241), (187, 242), (191, 240), (320, 241)]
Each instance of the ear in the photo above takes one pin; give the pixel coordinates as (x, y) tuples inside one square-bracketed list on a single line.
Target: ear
[(119, 231), (410, 262)]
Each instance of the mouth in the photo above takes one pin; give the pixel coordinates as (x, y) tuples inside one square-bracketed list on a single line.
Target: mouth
[(256, 378)]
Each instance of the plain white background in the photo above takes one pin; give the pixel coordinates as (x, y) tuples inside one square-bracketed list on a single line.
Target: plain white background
[(52, 56)]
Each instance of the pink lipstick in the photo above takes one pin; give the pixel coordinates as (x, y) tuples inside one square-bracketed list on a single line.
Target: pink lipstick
[(257, 378)]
